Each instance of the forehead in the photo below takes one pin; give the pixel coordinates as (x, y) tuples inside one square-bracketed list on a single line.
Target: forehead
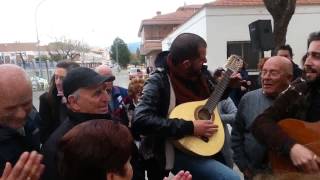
[(14, 95), (60, 72), (314, 46), (273, 64)]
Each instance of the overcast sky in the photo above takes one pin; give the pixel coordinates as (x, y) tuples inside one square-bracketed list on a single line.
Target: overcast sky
[(96, 22)]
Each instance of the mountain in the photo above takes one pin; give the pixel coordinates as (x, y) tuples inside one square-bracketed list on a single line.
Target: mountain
[(133, 46)]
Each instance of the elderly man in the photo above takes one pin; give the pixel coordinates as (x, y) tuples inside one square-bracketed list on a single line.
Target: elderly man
[(118, 94), (17, 131), (276, 75), (300, 101), (87, 99)]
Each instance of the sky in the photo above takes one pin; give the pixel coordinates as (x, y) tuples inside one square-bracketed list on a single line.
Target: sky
[(95, 22)]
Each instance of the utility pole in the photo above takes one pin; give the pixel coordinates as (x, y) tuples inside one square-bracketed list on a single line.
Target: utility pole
[(38, 41)]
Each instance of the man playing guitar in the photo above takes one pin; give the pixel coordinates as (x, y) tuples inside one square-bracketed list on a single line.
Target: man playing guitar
[(301, 101)]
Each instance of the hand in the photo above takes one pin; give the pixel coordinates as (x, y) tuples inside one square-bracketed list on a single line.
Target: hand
[(235, 80), (247, 174), (182, 175), (204, 128), (27, 167), (305, 159)]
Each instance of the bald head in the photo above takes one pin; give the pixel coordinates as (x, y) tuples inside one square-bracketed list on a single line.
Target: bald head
[(104, 70), (284, 64), (12, 75), (16, 96), (276, 75)]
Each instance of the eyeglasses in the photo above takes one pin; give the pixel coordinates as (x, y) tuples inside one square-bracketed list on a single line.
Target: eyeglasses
[(315, 55), (272, 74)]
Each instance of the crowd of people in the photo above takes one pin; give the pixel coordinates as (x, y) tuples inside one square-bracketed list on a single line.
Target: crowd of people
[(89, 128)]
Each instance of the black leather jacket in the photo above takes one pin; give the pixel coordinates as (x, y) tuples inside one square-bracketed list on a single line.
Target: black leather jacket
[(151, 118)]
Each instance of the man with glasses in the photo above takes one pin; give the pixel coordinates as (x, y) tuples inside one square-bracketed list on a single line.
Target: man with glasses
[(276, 75), (300, 101)]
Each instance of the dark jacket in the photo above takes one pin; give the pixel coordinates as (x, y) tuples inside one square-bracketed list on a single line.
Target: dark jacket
[(150, 118), (13, 143), (52, 113), (300, 101), (118, 94), (50, 147)]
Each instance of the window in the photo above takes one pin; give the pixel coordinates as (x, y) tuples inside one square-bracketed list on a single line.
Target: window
[(244, 49)]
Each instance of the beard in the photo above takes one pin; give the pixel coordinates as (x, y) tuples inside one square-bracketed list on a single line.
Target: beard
[(311, 73)]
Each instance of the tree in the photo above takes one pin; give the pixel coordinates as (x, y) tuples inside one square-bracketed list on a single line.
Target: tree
[(119, 51), (281, 12), (65, 48)]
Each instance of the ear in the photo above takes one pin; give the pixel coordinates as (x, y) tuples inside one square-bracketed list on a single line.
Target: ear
[(110, 176), (186, 64), (73, 103)]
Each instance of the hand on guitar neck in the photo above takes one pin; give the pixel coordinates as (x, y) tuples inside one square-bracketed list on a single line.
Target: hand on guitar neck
[(204, 128), (305, 159)]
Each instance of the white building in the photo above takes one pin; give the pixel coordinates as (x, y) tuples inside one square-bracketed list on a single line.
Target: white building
[(224, 25)]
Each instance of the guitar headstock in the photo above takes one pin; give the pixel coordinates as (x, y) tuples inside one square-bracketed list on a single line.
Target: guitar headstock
[(234, 63)]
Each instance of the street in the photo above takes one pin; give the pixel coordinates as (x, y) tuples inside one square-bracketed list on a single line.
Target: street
[(122, 80)]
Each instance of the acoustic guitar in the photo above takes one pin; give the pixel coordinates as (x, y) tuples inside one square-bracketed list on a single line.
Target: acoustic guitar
[(206, 110), (304, 133)]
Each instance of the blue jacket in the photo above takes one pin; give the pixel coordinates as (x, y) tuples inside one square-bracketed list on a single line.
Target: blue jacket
[(118, 94)]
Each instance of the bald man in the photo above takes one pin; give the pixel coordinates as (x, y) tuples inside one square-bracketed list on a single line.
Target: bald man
[(17, 133), (276, 75), (117, 93)]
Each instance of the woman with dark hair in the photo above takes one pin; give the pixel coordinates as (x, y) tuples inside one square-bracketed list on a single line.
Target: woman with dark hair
[(52, 108)]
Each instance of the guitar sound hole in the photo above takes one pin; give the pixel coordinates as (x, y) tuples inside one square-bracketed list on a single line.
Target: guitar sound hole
[(204, 114)]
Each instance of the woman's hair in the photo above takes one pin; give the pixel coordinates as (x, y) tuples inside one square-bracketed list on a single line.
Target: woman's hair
[(261, 63), (135, 87), (52, 92), (92, 149), (65, 64)]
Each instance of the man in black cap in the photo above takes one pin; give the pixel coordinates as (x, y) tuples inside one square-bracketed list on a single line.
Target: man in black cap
[(87, 99)]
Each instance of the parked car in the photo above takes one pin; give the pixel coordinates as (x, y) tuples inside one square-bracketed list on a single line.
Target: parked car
[(39, 84), (135, 73)]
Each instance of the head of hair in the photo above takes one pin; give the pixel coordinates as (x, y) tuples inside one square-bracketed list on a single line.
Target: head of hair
[(186, 47), (286, 47), (135, 86), (92, 149), (314, 36)]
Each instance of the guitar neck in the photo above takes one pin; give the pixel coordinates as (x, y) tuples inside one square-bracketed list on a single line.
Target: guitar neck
[(215, 97)]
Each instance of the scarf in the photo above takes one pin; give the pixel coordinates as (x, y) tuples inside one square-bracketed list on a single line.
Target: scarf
[(187, 88)]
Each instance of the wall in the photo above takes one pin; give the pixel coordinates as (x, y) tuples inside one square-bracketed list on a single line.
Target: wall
[(231, 24)]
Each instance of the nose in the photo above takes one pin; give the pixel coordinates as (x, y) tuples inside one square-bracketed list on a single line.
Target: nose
[(21, 114), (308, 61)]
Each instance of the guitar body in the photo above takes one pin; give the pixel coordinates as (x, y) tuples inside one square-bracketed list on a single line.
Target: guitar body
[(305, 133), (196, 145)]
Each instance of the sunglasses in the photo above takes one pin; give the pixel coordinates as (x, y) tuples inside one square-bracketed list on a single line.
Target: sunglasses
[(315, 55)]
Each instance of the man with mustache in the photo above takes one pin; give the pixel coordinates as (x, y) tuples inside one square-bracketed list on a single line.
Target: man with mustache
[(300, 101)]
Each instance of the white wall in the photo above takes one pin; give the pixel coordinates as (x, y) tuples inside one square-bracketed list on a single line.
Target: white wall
[(231, 24), (197, 25)]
